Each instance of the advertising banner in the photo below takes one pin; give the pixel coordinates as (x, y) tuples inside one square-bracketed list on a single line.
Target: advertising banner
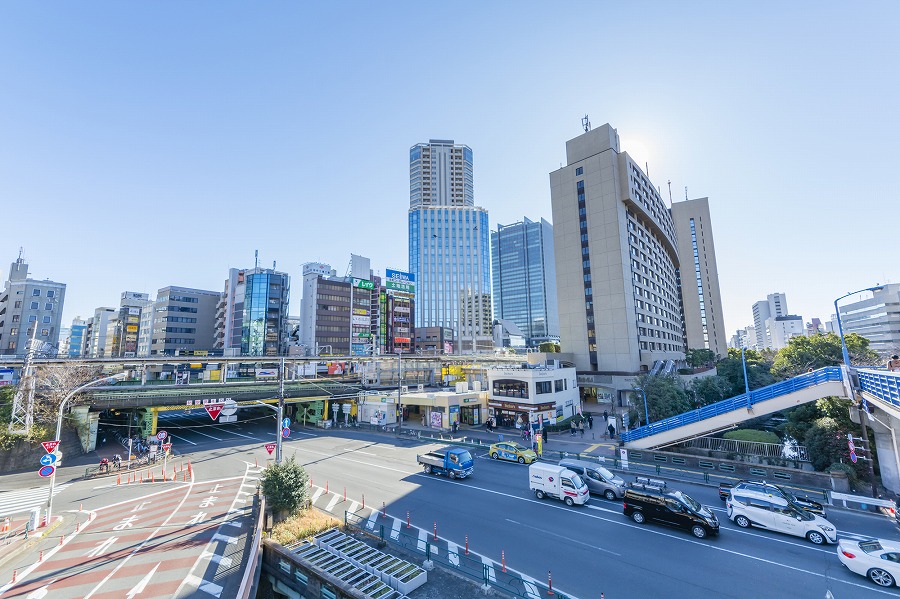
[(407, 287), (361, 320), (6, 376), (363, 284), (360, 312), (336, 368), (399, 276), (267, 373)]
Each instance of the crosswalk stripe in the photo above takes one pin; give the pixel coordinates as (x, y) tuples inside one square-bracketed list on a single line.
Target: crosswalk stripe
[(317, 494), (14, 502), (334, 499), (372, 517), (531, 587), (453, 553), (423, 538), (395, 529)]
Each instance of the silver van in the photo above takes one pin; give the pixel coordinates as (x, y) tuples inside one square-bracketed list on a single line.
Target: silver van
[(600, 481)]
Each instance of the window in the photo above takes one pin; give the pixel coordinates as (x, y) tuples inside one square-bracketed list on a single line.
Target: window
[(48, 306), (15, 318), (32, 319), (543, 387), (34, 305), (36, 292), (45, 332), (46, 320), (50, 293), (579, 171), (18, 304)]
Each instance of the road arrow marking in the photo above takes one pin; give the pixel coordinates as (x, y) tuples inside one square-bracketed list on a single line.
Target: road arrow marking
[(200, 517), (41, 592), (101, 548), (139, 587), (142, 505)]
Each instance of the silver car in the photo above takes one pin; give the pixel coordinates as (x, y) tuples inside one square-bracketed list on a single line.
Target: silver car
[(600, 481)]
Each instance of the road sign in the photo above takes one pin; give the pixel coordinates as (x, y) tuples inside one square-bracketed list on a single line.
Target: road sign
[(167, 446), (213, 410), (224, 418), (285, 432), (270, 447), (285, 423), (50, 446), (161, 435), (229, 408), (48, 459), (851, 445), (46, 471), (853, 457), (850, 437)]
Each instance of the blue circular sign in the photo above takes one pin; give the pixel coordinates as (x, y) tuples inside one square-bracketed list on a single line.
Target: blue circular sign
[(46, 471), (286, 423), (48, 459), (285, 432)]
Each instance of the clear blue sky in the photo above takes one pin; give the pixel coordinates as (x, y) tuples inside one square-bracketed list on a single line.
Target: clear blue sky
[(161, 143)]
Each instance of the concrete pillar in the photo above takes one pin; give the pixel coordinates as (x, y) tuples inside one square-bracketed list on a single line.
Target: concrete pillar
[(86, 424), (887, 430), (149, 421)]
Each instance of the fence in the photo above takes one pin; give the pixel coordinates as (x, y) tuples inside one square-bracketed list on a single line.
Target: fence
[(453, 557), (768, 450), (883, 385)]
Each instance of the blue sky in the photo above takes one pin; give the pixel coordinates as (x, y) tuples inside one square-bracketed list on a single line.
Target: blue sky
[(153, 144)]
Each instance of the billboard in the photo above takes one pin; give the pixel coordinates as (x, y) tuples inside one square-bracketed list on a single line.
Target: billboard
[(361, 320), (399, 276), (363, 284), (336, 368), (6, 376)]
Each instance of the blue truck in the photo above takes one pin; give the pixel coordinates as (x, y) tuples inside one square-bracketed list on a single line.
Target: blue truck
[(455, 462)]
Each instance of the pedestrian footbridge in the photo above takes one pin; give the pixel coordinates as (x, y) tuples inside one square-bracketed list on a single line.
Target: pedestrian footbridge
[(726, 414)]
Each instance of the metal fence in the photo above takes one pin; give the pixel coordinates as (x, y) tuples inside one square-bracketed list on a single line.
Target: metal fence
[(769, 450), (883, 385), (453, 557)]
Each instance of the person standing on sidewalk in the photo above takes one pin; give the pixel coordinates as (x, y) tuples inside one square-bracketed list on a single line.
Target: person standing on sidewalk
[(572, 428), (581, 427), (590, 422)]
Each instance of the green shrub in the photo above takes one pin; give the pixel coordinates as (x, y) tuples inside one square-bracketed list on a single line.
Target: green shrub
[(753, 436)]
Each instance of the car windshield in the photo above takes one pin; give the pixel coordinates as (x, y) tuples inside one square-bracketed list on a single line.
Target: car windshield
[(870, 546), (688, 501), (517, 447), (576, 480), (804, 515), (465, 456), (605, 473)]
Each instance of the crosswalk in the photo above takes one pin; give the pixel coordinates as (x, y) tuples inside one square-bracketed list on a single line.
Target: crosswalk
[(16, 502)]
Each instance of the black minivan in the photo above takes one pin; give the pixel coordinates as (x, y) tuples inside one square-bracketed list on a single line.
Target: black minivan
[(649, 499)]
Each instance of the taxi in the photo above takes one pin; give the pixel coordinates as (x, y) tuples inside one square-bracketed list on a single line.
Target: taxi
[(512, 452)]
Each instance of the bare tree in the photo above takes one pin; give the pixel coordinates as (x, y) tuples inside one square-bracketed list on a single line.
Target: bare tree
[(54, 382)]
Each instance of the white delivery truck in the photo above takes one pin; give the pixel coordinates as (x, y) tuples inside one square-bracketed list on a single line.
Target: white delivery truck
[(550, 480)]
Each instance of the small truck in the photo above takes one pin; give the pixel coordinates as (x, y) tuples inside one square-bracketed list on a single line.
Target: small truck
[(455, 462)]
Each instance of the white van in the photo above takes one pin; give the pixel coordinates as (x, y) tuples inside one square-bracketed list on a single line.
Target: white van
[(751, 508), (550, 480)]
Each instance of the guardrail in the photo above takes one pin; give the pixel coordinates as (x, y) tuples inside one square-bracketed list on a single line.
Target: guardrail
[(743, 401), (250, 580), (863, 501), (883, 385)]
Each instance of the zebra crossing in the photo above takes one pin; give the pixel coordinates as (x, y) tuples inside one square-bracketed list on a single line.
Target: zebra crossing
[(16, 502)]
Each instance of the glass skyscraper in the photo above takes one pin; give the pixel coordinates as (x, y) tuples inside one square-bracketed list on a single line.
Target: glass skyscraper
[(448, 244), (524, 276)]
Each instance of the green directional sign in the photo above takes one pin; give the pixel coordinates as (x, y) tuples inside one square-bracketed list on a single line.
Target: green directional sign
[(363, 284)]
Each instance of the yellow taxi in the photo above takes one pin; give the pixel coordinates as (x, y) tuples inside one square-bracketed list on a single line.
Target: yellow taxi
[(512, 452)]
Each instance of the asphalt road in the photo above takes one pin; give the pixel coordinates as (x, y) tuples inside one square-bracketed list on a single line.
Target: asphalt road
[(589, 549)]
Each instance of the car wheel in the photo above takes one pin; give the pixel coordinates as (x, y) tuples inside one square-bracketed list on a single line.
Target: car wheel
[(880, 577), (816, 538), (638, 517), (427, 469), (569, 502), (742, 521), (494, 456), (521, 460), (698, 531), (539, 494), (451, 474), (610, 495)]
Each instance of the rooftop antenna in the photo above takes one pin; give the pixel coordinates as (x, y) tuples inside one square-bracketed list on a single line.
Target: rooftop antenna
[(670, 192), (586, 124), (273, 265), (255, 258), (685, 193), (647, 168), (21, 249)]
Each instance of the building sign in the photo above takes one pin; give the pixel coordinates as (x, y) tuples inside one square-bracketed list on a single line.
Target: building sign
[(401, 339), (399, 276), (407, 287), (365, 335), (360, 312), (6, 376), (132, 328), (134, 311), (363, 284), (361, 320), (266, 373)]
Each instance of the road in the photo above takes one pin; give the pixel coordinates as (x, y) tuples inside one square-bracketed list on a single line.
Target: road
[(589, 550)]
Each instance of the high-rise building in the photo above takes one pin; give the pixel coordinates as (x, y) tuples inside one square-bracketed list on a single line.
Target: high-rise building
[(616, 261), (97, 330), (704, 322), (313, 272), (448, 243), (30, 309), (524, 279), (774, 305), (876, 318), (394, 312), (124, 330), (76, 337), (252, 318), (183, 322), (745, 338)]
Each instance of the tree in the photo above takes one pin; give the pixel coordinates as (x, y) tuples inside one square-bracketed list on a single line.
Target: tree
[(550, 347), (700, 357), (55, 382), (666, 396), (758, 370), (286, 486), (710, 389), (819, 351)]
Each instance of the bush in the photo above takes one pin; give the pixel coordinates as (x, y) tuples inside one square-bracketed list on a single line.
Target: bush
[(304, 525), (286, 486), (753, 436)]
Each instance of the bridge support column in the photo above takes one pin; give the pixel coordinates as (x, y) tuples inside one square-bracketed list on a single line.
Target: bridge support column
[(887, 430), (86, 423), (149, 420)]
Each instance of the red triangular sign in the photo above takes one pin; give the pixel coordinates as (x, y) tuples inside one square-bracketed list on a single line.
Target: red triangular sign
[(213, 409), (270, 447), (49, 446)]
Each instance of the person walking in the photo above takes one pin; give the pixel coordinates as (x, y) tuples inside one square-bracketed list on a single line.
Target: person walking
[(581, 427), (894, 363), (545, 432), (572, 429), (590, 422), (611, 430)]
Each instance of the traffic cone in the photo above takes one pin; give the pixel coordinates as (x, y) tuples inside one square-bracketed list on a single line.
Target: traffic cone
[(118, 479)]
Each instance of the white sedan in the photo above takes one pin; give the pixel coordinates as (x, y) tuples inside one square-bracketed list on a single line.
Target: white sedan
[(876, 559)]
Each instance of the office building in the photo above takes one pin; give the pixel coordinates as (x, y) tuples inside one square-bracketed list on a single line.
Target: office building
[(183, 322), (773, 306), (448, 243), (701, 300), (252, 317), (124, 329), (393, 312), (30, 309), (312, 273), (524, 279), (97, 330), (76, 337), (745, 338), (616, 264), (780, 330), (876, 318)]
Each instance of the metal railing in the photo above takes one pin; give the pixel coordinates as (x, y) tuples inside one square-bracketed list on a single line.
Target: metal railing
[(742, 401), (882, 384), (756, 448)]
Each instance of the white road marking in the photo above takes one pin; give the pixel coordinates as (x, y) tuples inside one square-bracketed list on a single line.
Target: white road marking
[(218, 559), (334, 500), (372, 517), (140, 586), (202, 585), (317, 494), (181, 439), (395, 529), (423, 539), (490, 568), (353, 507), (225, 538), (453, 553), (531, 587)]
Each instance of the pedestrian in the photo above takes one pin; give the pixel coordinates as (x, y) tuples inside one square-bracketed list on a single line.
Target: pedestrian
[(581, 427), (612, 431), (894, 363), (590, 422), (545, 432), (572, 429)]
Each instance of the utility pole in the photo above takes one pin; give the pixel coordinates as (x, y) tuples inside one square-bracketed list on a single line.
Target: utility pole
[(280, 413), (23, 402), (870, 455), (399, 389)]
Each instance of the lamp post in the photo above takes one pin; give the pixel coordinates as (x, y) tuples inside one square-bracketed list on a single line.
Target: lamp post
[(859, 406), (646, 412), (105, 380), (746, 380), (399, 351)]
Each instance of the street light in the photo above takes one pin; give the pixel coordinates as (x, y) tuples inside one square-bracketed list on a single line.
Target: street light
[(859, 406), (837, 313), (399, 351), (107, 380), (646, 412)]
